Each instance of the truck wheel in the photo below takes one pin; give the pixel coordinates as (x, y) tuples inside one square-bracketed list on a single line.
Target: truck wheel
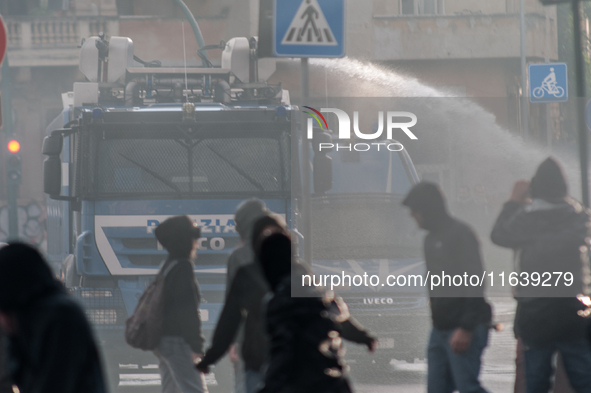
[(70, 277)]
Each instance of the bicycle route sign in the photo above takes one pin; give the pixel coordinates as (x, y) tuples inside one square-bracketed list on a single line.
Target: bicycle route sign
[(309, 28), (548, 82)]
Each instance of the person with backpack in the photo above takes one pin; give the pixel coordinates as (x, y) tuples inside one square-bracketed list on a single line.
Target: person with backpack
[(181, 342), (549, 232)]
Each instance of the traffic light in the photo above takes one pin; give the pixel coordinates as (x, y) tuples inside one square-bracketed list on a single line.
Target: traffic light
[(13, 167)]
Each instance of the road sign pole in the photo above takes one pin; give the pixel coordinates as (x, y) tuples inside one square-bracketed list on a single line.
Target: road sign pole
[(579, 70), (307, 227), (524, 111), (304, 29)]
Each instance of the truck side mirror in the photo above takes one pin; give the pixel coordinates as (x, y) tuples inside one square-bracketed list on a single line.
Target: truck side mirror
[(322, 164), (52, 145), (52, 175), (52, 166)]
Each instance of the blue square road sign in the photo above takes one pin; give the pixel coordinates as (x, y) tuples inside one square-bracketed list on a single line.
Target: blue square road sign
[(548, 82), (309, 28)]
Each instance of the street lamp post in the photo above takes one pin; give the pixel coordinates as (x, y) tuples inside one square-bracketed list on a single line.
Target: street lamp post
[(580, 77)]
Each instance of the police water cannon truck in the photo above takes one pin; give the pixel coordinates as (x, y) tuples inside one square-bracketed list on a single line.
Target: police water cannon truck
[(138, 142)]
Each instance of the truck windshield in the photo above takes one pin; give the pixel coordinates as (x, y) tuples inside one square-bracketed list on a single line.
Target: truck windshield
[(181, 167), (362, 216), (362, 227)]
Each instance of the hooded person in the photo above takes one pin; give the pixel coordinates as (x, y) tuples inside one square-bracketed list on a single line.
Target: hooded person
[(244, 304), (5, 383), (305, 351), (182, 341), (548, 233), (460, 314), (246, 215), (50, 343)]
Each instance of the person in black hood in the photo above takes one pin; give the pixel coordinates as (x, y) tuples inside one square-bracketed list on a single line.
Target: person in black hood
[(305, 354), (244, 303), (241, 315), (460, 314), (548, 231), (5, 383), (51, 346), (181, 343)]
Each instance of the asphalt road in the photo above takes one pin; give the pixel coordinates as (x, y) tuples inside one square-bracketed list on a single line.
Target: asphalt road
[(497, 374), (498, 370)]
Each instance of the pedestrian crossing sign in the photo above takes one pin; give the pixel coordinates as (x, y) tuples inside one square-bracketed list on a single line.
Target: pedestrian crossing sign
[(309, 28)]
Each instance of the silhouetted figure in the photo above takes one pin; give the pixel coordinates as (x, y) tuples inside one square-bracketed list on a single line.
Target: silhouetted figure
[(5, 383), (246, 215), (305, 341), (51, 346), (242, 309), (244, 305), (460, 314), (182, 342), (548, 232)]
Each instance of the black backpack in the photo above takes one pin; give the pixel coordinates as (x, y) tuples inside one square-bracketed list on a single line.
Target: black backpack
[(143, 329)]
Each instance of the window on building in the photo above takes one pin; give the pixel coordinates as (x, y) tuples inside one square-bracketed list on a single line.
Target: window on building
[(428, 7), (407, 7), (14, 7), (125, 7), (421, 7)]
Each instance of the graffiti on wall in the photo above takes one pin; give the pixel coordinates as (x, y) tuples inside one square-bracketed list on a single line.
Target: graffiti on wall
[(31, 223)]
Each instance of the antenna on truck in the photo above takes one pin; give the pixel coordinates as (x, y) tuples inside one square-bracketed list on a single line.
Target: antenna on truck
[(185, 58)]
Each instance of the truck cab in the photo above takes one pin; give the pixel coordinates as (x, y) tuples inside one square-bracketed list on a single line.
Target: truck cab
[(135, 145)]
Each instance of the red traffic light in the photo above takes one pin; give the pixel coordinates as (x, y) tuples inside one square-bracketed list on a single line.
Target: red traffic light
[(14, 146)]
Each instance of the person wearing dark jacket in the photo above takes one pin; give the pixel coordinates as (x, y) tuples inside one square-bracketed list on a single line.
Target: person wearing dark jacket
[(241, 314), (305, 352), (182, 341), (548, 232), (246, 214), (460, 314), (5, 383), (50, 343), (244, 304)]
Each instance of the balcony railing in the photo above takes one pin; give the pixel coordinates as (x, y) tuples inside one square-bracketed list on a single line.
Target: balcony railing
[(404, 37), (56, 32), (48, 41)]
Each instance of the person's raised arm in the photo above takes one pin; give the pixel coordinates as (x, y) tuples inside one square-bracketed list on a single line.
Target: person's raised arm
[(509, 229)]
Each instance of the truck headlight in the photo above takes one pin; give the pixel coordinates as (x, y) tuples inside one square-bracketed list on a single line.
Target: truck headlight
[(102, 317)]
